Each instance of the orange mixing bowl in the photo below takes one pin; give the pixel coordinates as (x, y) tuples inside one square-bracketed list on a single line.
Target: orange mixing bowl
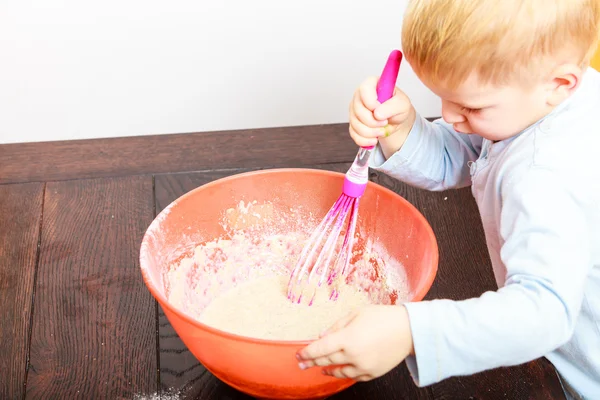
[(268, 369)]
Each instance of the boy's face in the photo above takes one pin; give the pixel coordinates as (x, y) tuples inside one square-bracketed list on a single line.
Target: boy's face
[(495, 113)]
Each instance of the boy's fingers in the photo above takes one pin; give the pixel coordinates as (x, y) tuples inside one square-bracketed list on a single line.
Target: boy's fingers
[(325, 346), (364, 130), (397, 106), (345, 372), (362, 113), (361, 141), (368, 93), (337, 358)]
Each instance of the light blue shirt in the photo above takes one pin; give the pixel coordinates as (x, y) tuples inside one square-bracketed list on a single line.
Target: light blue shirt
[(538, 194)]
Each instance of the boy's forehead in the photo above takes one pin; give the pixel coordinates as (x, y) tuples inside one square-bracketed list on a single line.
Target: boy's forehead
[(470, 93)]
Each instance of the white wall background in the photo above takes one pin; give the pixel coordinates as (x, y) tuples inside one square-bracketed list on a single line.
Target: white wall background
[(73, 69)]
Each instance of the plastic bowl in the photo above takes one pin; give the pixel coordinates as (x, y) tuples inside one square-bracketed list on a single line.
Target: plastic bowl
[(262, 368)]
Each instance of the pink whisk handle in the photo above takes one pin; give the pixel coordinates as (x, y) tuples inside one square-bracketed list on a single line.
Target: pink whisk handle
[(357, 176), (387, 80)]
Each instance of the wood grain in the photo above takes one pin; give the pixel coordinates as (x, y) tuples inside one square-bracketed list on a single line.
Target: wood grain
[(396, 384), (20, 217), (536, 380), (464, 271), (78, 159), (172, 153), (94, 323)]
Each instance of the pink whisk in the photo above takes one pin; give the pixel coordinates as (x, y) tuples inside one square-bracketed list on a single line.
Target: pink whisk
[(325, 238)]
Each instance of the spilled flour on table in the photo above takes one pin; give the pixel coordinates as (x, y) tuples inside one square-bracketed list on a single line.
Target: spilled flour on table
[(238, 282), (158, 396)]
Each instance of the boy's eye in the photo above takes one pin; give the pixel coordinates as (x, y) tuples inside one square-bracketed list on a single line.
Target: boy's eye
[(471, 110)]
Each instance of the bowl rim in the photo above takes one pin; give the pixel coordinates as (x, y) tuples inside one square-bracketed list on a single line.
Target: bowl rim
[(163, 302)]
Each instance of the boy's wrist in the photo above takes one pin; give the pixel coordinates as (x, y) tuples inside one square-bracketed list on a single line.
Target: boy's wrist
[(409, 338)]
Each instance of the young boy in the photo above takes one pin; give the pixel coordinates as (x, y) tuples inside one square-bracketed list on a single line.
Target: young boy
[(521, 125)]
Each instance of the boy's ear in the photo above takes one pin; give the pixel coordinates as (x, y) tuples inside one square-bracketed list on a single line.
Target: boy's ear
[(563, 81)]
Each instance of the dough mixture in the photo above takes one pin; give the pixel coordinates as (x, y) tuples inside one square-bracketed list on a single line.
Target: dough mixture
[(238, 283), (260, 308)]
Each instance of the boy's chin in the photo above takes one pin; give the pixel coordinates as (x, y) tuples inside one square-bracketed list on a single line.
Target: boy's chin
[(496, 137), (461, 128)]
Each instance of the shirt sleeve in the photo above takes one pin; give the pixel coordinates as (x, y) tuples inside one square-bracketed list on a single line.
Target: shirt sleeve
[(433, 157), (547, 254)]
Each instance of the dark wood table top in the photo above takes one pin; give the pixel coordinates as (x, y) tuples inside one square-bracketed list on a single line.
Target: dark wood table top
[(77, 321)]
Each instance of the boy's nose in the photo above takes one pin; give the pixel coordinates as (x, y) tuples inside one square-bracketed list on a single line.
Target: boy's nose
[(451, 115)]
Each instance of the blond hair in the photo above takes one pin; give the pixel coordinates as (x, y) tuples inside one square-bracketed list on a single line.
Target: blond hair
[(498, 40)]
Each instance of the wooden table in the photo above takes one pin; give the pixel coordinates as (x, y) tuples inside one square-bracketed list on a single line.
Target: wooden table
[(77, 321)]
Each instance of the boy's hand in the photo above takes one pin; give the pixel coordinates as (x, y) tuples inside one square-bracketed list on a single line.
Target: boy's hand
[(362, 346), (389, 122)]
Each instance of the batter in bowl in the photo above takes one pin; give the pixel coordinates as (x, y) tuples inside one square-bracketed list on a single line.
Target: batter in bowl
[(238, 284), (260, 309)]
